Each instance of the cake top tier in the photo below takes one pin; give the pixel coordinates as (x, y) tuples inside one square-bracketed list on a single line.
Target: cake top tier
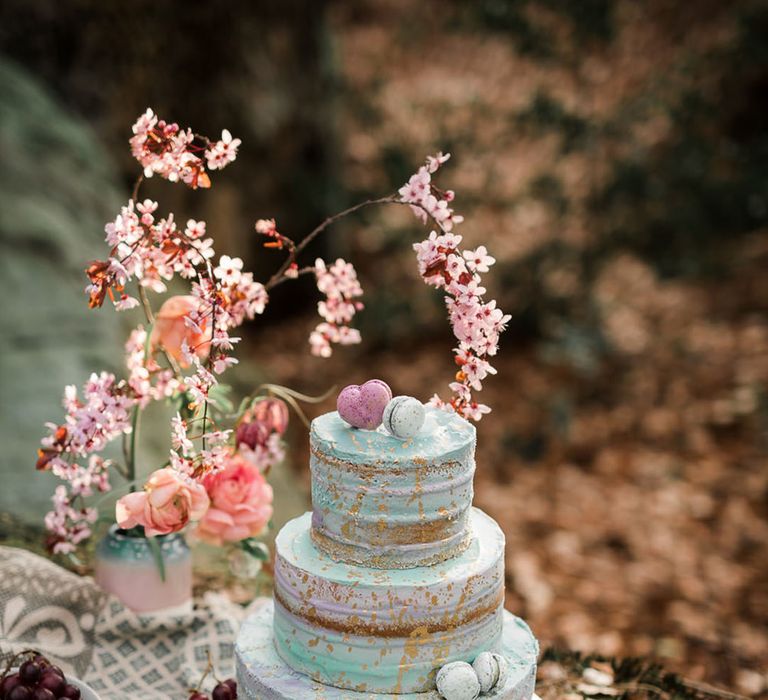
[(383, 502), (443, 437)]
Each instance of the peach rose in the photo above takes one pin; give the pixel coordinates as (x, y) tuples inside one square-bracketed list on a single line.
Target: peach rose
[(170, 329), (168, 502), (241, 503)]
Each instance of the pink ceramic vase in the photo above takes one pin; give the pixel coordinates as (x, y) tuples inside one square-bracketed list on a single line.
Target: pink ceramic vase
[(127, 568)]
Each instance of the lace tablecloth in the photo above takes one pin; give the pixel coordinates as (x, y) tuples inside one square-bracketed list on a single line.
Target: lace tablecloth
[(91, 635)]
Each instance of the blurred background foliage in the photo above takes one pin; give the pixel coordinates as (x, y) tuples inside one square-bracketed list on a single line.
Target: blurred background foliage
[(613, 156)]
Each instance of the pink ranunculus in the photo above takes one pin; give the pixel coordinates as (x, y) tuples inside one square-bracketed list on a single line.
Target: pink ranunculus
[(252, 434), (273, 413), (171, 330), (241, 503), (168, 502), (267, 416)]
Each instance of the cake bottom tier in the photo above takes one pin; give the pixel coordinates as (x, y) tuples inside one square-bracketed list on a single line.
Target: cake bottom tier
[(263, 675)]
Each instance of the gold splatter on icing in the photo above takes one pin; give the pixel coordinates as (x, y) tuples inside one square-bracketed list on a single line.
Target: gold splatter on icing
[(416, 533), (379, 467), (400, 628), (410, 651)]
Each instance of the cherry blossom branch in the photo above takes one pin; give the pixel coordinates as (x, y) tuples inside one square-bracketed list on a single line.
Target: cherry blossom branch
[(279, 276), (308, 270), (209, 361), (136, 186), (146, 306), (442, 264), (189, 328), (148, 251)]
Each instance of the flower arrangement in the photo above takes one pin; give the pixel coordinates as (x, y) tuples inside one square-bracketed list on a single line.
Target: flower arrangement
[(215, 475)]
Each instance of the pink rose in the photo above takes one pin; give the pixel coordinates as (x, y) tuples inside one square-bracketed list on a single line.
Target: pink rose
[(168, 502), (241, 503), (171, 330)]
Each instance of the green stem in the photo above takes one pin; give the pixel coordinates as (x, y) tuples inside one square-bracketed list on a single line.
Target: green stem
[(157, 555), (134, 432), (135, 418)]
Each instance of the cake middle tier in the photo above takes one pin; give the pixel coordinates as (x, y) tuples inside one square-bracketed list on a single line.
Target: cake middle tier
[(386, 631), (389, 503)]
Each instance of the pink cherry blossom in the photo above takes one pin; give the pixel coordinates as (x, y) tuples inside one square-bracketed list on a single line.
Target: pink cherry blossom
[(264, 455), (478, 260), (341, 287), (223, 152), (179, 439), (67, 525), (476, 324), (229, 270), (175, 154), (199, 384), (266, 227)]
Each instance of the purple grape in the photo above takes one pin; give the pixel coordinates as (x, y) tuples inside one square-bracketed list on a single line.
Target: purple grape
[(57, 671), (222, 692), (41, 660), (30, 672), (8, 684), (231, 683), (42, 694), (52, 681), (70, 692), (20, 692)]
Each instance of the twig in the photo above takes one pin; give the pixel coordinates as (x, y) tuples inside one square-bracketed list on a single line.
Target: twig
[(209, 361), (276, 278), (146, 305), (136, 186), (208, 669), (12, 660), (279, 277), (712, 690), (309, 270)]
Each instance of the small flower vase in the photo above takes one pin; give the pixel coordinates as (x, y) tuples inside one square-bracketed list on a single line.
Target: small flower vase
[(127, 567)]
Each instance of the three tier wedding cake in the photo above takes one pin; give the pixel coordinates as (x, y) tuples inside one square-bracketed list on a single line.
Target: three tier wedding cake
[(391, 579)]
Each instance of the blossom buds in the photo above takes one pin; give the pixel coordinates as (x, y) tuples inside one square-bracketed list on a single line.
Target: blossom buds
[(54, 447), (43, 459)]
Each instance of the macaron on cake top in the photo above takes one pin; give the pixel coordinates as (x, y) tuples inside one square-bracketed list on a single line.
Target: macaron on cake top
[(362, 406), (403, 417)]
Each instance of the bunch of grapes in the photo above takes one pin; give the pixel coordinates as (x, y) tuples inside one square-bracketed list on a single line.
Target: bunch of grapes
[(37, 679), (226, 690)]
